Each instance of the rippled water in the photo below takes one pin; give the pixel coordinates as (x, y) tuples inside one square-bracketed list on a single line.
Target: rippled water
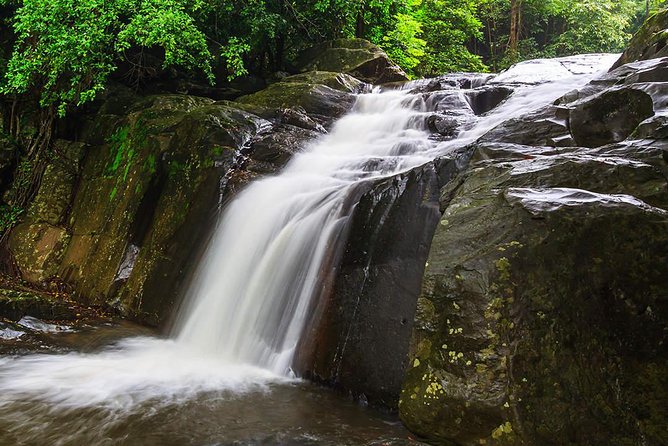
[(107, 396)]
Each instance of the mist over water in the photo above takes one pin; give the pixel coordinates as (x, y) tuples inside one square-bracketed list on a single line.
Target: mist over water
[(250, 298)]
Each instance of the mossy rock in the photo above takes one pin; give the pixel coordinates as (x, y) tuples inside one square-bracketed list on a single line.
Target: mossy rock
[(146, 195), (54, 196), (543, 314), (357, 57), (318, 100), (649, 42), (14, 304), (337, 81), (38, 250)]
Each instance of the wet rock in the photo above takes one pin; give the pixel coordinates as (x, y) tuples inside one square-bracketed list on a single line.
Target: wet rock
[(297, 117), (54, 196), (655, 127), (38, 249), (8, 333), (609, 117), (138, 191), (361, 343), (274, 149), (544, 127), (654, 71), (336, 80), (484, 99), (357, 57), (35, 324), (443, 125), (319, 100), (448, 102), (542, 311)]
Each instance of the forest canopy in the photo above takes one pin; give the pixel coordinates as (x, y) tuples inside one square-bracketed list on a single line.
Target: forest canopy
[(64, 51)]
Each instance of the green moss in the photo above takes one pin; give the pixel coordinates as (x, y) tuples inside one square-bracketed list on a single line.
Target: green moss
[(10, 216), (149, 164), (119, 141)]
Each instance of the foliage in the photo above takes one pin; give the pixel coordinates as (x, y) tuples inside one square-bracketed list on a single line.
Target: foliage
[(403, 44), (10, 216), (550, 28), (594, 26), (66, 49), (449, 25)]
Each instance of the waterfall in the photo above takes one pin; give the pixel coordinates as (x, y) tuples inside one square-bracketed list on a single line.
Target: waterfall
[(263, 266), (250, 297)]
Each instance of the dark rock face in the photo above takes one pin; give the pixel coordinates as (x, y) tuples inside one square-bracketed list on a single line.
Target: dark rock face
[(361, 342), (122, 213), (15, 304), (357, 57), (543, 318), (545, 127), (609, 117), (543, 310), (485, 99)]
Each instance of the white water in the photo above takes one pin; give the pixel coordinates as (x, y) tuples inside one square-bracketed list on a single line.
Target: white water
[(250, 298)]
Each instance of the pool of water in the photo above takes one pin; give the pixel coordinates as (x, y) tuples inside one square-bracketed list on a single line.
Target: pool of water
[(54, 412)]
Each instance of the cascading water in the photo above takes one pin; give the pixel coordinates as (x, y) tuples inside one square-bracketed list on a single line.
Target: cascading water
[(250, 298), (263, 266)]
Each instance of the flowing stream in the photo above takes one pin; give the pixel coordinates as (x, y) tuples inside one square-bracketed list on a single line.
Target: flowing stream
[(233, 345)]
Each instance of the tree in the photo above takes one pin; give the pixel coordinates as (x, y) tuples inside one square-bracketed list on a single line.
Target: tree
[(65, 51), (448, 26)]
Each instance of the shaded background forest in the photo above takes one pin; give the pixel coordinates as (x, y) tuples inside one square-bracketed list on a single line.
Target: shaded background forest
[(65, 50)]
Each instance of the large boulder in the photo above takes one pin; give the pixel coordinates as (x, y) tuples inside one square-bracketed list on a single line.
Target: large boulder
[(135, 219), (324, 96), (357, 57), (543, 317), (543, 314), (360, 343), (610, 116)]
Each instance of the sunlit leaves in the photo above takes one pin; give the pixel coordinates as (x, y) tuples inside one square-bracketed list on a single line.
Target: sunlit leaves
[(66, 49)]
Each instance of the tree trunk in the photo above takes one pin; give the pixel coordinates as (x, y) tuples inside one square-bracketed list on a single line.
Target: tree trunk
[(359, 24), (515, 27)]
